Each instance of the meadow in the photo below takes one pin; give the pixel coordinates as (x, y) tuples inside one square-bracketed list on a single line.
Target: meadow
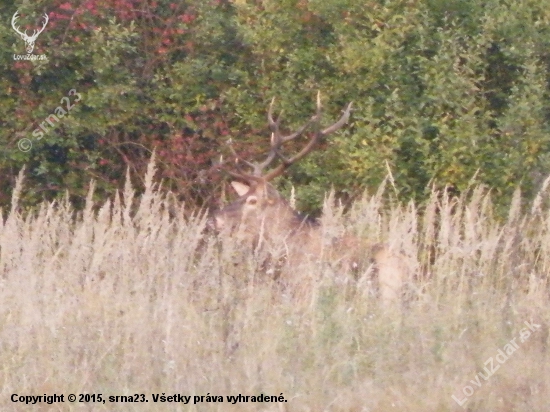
[(130, 296)]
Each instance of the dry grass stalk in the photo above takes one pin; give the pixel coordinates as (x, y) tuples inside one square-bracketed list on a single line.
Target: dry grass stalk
[(108, 301)]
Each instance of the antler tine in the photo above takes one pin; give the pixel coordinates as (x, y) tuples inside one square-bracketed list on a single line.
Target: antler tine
[(342, 121), (46, 20), (275, 136), (237, 157), (14, 22), (272, 154), (273, 125), (277, 140), (301, 130), (257, 169), (38, 31), (313, 141)]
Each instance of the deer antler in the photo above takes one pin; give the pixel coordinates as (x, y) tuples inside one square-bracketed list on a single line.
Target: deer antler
[(13, 22), (24, 34), (318, 135), (277, 141), (240, 174), (37, 32)]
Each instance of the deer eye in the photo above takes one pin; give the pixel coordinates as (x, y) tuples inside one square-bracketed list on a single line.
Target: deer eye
[(252, 200)]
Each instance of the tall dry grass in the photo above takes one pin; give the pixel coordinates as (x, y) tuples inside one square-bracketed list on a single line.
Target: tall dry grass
[(125, 298)]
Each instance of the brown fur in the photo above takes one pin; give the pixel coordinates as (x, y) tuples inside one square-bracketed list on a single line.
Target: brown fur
[(261, 216)]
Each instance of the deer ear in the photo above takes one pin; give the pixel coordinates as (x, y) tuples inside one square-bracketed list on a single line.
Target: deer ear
[(240, 188)]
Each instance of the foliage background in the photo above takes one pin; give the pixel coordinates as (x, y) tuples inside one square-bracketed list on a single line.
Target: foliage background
[(445, 93)]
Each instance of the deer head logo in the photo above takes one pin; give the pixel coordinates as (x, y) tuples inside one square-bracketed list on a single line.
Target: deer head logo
[(29, 40)]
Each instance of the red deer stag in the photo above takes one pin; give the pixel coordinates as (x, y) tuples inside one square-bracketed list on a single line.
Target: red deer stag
[(262, 214)]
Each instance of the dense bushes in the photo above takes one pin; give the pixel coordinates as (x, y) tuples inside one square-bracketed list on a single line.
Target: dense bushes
[(444, 93)]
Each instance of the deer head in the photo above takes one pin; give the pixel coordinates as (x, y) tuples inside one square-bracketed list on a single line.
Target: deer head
[(29, 40), (262, 214), (260, 207)]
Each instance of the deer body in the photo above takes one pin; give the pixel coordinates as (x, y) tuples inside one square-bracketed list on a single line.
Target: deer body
[(263, 217)]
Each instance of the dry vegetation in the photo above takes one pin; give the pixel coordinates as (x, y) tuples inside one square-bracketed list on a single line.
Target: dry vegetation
[(118, 302)]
